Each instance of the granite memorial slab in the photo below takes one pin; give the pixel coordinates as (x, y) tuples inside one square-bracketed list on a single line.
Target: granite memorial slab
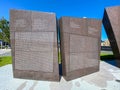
[(34, 45), (80, 46), (111, 21)]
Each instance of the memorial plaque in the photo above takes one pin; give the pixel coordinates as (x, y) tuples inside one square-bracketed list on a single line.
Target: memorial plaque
[(111, 22), (80, 46), (34, 45)]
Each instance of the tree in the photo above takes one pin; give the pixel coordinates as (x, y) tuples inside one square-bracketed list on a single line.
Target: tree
[(4, 30)]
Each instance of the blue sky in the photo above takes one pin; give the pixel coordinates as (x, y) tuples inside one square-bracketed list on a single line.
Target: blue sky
[(74, 8)]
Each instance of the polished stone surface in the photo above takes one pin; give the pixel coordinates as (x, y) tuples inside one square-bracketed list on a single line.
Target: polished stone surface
[(80, 46), (111, 22), (34, 45)]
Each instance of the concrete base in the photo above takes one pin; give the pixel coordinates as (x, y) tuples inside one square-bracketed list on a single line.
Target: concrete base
[(108, 78)]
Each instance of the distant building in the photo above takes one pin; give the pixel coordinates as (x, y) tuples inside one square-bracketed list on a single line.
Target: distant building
[(105, 43)]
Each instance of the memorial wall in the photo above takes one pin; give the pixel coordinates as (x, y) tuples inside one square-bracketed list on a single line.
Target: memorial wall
[(80, 46), (34, 45)]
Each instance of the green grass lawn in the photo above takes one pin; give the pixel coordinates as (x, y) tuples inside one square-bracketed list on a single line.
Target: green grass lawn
[(5, 60), (59, 58), (106, 56)]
